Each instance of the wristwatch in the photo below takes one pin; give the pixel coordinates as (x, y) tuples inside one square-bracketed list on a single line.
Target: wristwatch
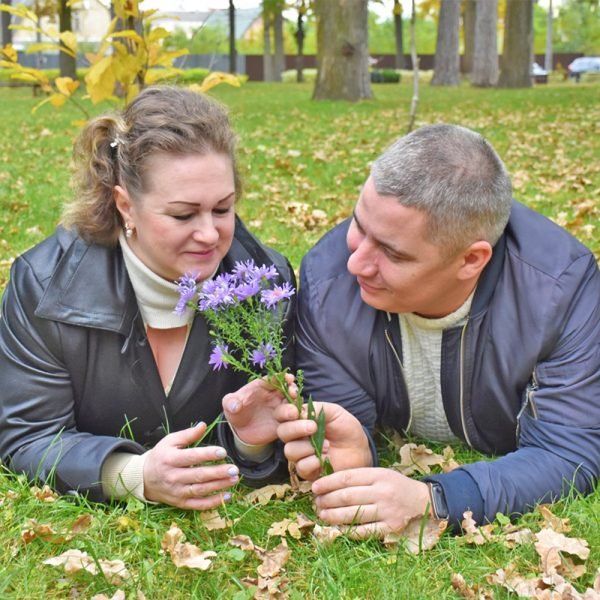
[(438, 500)]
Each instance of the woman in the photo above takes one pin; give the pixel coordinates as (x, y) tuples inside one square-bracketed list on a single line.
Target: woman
[(95, 365)]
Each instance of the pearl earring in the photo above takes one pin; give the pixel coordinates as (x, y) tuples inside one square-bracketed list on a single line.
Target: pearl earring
[(128, 230)]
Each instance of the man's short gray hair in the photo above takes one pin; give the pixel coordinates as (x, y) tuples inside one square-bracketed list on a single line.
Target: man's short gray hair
[(453, 175)]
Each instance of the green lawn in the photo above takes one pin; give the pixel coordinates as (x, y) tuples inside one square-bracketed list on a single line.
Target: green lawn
[(303, 164)]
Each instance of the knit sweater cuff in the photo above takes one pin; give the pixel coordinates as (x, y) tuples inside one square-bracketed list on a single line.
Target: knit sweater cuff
[(123, 475), (253, 452)]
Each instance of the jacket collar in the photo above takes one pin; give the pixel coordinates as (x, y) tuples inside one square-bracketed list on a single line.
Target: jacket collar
[(89, 287)]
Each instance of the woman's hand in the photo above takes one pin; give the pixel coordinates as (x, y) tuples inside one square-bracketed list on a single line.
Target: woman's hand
[(370, 501), (174, 473), (250, 410), (346, 444)]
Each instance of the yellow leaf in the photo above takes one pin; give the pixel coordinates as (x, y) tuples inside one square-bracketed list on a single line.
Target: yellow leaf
[(128, 34), (69, 40), (100, 80), (132, 92), (216, 78), (41, 47), (66, 85), (157, 34), (9, 53), (57, 100)]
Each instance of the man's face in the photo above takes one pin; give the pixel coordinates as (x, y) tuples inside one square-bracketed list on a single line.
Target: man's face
[(397, 268)]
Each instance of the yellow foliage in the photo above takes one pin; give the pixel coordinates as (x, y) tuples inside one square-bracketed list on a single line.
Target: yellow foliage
[(216, 78), (69, 40), (66, 86), (100, 80), (9, 53)]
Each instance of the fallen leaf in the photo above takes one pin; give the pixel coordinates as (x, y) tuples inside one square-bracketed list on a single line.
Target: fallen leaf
[(44, 494), (81, 524), (550, 545), (472, 592), (264, 494), (417, 459), (75, 560), (472, 533), (326, 533), (432, 532), (552, 521), (242, 541), (184, 554), (273, 560), (212, 520)]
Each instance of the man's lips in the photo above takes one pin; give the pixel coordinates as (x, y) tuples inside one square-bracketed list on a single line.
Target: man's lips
[(366, 286)]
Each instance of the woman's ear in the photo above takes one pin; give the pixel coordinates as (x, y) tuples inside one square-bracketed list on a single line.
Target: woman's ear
[(123, 203), (474, 259)]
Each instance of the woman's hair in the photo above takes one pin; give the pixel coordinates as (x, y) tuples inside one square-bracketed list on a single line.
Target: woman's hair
[(452, 174), (115, 149)]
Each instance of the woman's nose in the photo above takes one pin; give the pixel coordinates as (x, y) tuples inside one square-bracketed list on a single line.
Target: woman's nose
[(205, 231)]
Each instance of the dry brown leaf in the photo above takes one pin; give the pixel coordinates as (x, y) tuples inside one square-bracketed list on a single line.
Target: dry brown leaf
[(519, 536), (417, 459), (273, 560), (449, 463), (44, 494), (550, 545), (242, 541), (171, 538), (472, 533), (473, 592), (264, 494), (41, 530), (75, 560), (184, 554), (552, 521), (516, 583), (212, 520), (81, 524), (326, 533), (432, 532), (118, 595), (304, 523)]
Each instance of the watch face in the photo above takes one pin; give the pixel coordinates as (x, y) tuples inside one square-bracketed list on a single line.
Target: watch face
[(438, 500)]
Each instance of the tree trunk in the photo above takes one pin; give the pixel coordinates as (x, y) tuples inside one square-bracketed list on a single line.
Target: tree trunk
[(398, 34), (517, 55), (6, 20), (267, 58), (446, 70), (66, 63), (549, 58), (300, 44), (469, 17), (414, 102), (342, 50), (232, 49), (279, 61), (485, 63)]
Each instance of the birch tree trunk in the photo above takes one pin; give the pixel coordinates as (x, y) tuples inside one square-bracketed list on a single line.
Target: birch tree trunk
[(446, 69), (342, 50), (469, 17), (398, 34), (485, 62), (279, 60), (517, 54)]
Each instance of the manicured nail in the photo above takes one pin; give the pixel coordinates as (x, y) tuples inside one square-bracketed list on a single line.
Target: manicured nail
[(233, 470), (226, 497), (234, 407), (220, 453)]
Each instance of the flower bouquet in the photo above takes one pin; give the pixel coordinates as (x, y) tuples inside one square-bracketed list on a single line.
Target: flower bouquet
[(245, 311)]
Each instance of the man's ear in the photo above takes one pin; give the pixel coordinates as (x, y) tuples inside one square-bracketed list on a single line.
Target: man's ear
[(474, 259), (123, 203)]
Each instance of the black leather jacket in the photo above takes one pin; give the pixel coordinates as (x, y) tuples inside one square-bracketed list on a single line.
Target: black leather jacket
[(78, 380)]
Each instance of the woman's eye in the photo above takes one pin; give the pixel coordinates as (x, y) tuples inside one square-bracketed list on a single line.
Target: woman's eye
[(182, 217), (222, 211)]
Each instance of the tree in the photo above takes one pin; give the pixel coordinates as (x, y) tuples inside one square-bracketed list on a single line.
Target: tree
[(517, 55), (66, 60), (278, 57), (548, 59), (6, 30), (577, 27), (299, 35), (232, 51), (342, 50), (469, 13), (267, 58), (447, 59), (398, 34), (485, 61)]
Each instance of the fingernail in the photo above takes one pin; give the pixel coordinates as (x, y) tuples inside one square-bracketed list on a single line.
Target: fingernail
[(226, 497), (233, 470), (220, 453), (234, 406)]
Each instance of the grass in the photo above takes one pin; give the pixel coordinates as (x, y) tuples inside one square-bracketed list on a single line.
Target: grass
[(303, 164)]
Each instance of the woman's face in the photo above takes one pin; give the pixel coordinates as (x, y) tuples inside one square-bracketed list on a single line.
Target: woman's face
[(184, 223)]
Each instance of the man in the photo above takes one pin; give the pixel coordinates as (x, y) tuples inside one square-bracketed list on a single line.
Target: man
[(447, 310)]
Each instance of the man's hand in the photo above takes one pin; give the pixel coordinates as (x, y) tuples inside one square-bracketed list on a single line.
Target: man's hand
[(250, 410), (372, 501), (174, 473), (346, 444)]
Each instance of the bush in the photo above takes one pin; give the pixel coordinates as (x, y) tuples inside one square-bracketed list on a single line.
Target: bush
[(289, 76), (385, 76), (195, 75), (52, 74)]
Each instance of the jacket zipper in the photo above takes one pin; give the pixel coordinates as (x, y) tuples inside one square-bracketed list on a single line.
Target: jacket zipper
[(391, 345), (529, 393), (462, 386)]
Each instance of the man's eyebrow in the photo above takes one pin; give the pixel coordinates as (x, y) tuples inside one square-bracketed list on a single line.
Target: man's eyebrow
[(384, 245)]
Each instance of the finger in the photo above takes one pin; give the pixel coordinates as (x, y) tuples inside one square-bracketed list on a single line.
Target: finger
[(363, 476), (207, 474), (185, 437), (348, 496), (188, 457), (205, 503), (377, 529), (350, 515), (200, 490), (294, 430), (285, 412), (298, 450), (309, 468)]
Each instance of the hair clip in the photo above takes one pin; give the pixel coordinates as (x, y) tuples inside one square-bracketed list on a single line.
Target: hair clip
[(116, 142)]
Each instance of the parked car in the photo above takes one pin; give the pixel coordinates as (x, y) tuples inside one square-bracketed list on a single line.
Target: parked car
[(584, 64), (539, 75)]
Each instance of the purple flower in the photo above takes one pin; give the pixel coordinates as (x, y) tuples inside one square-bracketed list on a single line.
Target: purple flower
[(217, 293), (245, 271), (247, 290), (187, 287), (280, 292), (263, 354), (269, 272), (218, 357)]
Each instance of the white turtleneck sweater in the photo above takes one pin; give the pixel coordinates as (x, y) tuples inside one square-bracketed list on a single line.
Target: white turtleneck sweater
[(422, 355), (123, 472)]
